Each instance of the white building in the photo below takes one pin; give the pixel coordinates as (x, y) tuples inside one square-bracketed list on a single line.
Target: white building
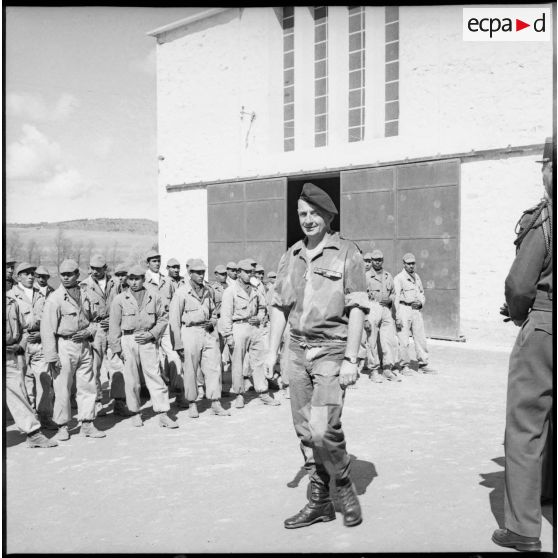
[(427, 142)]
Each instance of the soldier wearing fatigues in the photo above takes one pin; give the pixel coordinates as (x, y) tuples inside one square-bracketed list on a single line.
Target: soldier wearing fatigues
[(193, 334), (137, 320), (66, 333), (321, 291), (409, 301), (529, 293), (219, 287), (16, 399), (241, 314), (41, 281)]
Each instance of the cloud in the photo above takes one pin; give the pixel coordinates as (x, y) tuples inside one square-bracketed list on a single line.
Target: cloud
[(32, 106), (146, 64)]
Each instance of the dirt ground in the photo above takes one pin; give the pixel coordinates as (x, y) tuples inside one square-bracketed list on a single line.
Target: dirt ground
[(427, 463)]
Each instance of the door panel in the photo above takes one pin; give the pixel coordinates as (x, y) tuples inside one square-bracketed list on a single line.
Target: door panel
[(369, 215)]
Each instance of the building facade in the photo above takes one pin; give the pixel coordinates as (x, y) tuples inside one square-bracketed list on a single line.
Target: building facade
[(426, 142)]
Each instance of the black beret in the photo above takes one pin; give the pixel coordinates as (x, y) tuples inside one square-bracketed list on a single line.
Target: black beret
[(317, 197)]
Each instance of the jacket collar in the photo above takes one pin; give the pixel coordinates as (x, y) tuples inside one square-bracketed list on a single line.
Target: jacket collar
[(332, 241)]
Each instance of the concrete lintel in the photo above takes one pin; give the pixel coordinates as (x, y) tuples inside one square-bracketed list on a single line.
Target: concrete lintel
[(186, 21)]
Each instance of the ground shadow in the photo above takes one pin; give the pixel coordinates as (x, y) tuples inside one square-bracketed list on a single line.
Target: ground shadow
[(495, 481)]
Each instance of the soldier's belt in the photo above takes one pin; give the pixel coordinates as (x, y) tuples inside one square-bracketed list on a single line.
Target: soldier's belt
[(66, 337), (244, 321), (199, 324), (128, 331), (405, 303)]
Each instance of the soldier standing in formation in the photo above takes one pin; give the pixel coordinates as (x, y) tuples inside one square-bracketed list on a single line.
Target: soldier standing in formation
[(41, 281), (121, 276), (232, 273), (10, 266), (529, 293)]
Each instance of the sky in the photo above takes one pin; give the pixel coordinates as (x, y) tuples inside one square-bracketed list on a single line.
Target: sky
[(80, 93)]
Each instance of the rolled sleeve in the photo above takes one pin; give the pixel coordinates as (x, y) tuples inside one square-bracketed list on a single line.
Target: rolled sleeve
[(278, 299), (355, 282)]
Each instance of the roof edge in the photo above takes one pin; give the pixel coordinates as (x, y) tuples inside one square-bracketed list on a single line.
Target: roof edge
[(186, 21)]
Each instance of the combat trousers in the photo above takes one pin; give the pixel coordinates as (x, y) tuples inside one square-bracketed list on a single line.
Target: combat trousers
[(248, 344), (316, 405), (201, 356), (38, 381), (382, 324), (146, 359), (23, 414), (171, 361), (528, 408), (101, 353), (412, 323), (77, 360)]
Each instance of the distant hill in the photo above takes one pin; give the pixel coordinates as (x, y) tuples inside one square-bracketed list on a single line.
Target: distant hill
[(140, 226)]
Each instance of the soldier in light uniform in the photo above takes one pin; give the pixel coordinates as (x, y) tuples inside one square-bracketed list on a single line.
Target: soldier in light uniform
[(41, 281), (16, 399), (409, 301), (38, 382), (232, 273), (241, 314), (321, 291), (381, 293), (121, 277), (219, 286), (66, 333), (137, 320), (529, 294), (194, 337), (10, 266)]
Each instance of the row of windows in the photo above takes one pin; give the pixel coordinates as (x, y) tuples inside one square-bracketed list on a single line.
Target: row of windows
[(288, 79), (356, 73), (320, 76)]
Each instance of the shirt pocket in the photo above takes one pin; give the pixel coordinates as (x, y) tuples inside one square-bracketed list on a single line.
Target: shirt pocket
[(128, 319), (69, 318)]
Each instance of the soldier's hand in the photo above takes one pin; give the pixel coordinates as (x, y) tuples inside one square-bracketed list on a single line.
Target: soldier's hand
[(398, 324), (254, 321), (34, 337), (105, 324), (81, 335), (416, 305), (348, 374), (385, 302), (13, 348), (269, 364), (180, 353), (367, 326), (230, 343), (143, 337)]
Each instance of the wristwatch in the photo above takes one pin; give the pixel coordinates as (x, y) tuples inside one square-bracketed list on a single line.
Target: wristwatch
[(352, 360)]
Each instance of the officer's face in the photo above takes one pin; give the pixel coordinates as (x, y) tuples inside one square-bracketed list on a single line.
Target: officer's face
[(377, 263), (232, 273), (98, 272), (244, 275), (221, 277), (154, 264), (367, 264), (197, 276), (121, 278), (42, 280), (547, 171), (314, 223), (69, 278), (173, 271), (409, 267), (9, 270), (26, 278), (135, 282)]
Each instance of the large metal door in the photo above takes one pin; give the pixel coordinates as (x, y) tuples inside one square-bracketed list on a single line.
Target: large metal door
[(411, 208), (247, 219)]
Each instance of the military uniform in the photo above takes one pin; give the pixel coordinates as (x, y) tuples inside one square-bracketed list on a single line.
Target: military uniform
[(47, 289)]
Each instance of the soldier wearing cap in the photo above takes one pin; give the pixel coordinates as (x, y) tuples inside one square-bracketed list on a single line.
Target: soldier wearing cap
[(67, 330), (41, 281), (10, 265), (137, 320), (192, 322), (38, 382), (409, 300), (121, 276), (321, 291), (242, 311), (271, 277), (529, 295), (219, 286), (381, 293), (367, 262), (98, 292), (153, 276), (232, 273), (23, 414)]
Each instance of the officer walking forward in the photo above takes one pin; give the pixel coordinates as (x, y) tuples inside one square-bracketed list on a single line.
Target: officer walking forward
[(321, 291)]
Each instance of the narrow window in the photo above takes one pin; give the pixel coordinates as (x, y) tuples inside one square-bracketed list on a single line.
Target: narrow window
[(392, 72), (288, 79), (356, 73), (320, 76)]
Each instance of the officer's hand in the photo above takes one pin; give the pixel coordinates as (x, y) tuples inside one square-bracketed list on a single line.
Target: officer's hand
[(143, 337), (416, 305), (254, 321), (180, 353), (34, 337), (81, 335), (348, 374), (398, 324), (269, 363), (385, 302)]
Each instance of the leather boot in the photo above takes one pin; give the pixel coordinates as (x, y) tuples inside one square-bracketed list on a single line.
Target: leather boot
[(319, 508), (509, 539), (352, 514)]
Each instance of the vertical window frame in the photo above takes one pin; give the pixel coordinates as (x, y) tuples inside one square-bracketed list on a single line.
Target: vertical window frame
[(287, 24), (392, 58), (357, 72), (320, 16)]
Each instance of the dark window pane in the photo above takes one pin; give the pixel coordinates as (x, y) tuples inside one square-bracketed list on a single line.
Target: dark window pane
[(320, 51), (355, 98), (392, 129), (288, 112), (320, 124), (320, 105), (392, 52), (288, 129), (320, 33), (288, 60), (288, 11), (355, 117), (355, 9), (355, 23), (392, 32), (320, 69), (288, 94), (288, 23), (392, 110), (288, 42), (355, 79), (355, 60), (355, 134), (392, 91), (355, 41), (288, 77), (320, 12), (392, 71), (288, 145), (320, 87), (320, 139), (392, 13)]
